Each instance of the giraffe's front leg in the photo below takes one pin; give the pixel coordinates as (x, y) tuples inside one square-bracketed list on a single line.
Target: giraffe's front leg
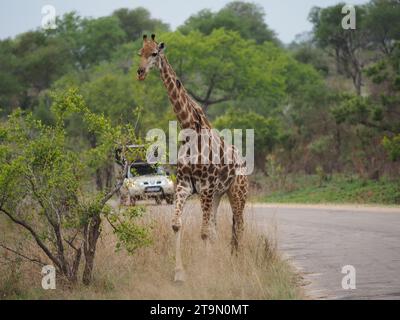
[(182, 192), (179, 271)]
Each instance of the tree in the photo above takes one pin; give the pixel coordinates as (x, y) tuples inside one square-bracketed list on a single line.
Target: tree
[(99, 38), (266, 131), (40, 67), (245, 18), (44, 185), (135, 22), (110, 89), (224, 67), (307, 120), (306, 52), (70, 30), (37, 61), (383, 24), (346, 46), (379, 111), (370, 122), (10, 86)]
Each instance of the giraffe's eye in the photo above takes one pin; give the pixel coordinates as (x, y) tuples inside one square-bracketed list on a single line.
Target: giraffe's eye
[(154, 54)]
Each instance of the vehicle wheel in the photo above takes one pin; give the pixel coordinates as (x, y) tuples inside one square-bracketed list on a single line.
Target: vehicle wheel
[(158, 200), (169, 199)]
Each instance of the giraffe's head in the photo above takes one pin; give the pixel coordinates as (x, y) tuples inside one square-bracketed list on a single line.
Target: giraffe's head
[(149, 56)]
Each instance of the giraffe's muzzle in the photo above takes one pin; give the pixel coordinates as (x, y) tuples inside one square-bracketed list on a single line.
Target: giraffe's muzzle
[(141, 74)]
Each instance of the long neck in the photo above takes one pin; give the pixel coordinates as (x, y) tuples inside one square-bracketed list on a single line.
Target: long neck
[(188, 112)]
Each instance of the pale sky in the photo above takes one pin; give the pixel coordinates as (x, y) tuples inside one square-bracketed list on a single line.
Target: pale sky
[(286, 17)]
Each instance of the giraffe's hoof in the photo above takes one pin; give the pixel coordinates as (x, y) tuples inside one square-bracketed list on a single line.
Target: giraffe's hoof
[(204, 236), (180, 276), (176, 224)]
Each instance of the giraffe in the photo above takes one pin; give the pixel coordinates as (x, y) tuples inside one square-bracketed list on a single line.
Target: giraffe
[(210, 180)]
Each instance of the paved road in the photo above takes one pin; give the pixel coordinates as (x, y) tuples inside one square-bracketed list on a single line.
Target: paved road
[(321, 240)]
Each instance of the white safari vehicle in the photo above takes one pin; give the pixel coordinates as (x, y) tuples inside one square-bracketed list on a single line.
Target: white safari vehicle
[(145, 181)]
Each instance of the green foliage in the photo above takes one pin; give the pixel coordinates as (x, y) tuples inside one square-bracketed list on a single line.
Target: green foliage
[(347, 46), (377, 112), (100, 39), (328, 30), (392, 146), (45, 181), (245, 18), (267, 130), (383, 23), (360, 110), (131, 236), (353, 109), (10, 85), (32, 62), (308, 54), (34, 160), (321, 145), (235, 68), (138, 21)]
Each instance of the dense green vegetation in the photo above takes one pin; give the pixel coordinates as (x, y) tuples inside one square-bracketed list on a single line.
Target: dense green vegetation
[(339, 190), (328, 103)]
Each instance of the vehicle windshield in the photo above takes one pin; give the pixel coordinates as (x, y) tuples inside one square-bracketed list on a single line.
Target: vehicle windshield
[(145, 169)]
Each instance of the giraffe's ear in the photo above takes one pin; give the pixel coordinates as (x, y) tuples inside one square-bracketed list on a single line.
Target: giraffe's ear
[(161, 47)]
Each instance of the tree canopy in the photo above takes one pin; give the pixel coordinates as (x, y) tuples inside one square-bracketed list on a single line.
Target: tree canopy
[(333, 90), (248, 19)]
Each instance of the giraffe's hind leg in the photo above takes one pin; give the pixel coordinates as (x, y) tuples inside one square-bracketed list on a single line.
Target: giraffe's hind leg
[(206, 201), (237, 195), (213, 228)]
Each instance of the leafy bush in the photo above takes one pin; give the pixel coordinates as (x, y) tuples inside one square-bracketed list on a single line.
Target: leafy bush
[(45, 183)]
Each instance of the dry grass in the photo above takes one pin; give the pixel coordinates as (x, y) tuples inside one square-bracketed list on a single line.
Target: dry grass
[(257, 272)]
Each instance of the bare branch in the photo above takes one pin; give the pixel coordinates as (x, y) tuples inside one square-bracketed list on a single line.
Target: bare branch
[(35, 236), (39, 198), (55, 224), (71, 241), (111, 224), (34, 260), (71, 244), (208, 102), (117, 186), (195, 96)]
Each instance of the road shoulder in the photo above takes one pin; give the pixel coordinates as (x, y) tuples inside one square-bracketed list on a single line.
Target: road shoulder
[(332, 207)]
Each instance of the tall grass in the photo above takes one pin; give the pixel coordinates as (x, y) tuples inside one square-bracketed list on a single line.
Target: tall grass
[(257, 272)]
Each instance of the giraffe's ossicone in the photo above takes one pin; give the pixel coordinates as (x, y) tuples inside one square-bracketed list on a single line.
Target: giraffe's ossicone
[(210, 179)]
